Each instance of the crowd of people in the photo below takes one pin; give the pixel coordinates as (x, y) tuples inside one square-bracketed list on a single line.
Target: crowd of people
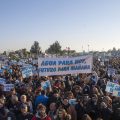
[(28, 100)]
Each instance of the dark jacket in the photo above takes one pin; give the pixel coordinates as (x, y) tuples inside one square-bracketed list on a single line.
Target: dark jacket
[(106, 113), (80, 111), (27, 116)]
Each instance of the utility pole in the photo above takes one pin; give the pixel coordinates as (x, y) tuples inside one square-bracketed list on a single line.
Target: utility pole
[(88, 48)]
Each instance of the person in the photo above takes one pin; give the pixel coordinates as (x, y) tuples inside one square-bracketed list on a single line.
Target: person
[(99, 118), (41, 99), (79, 108), (93, 107), (14, 105), (41, 113), (105, 112), (86, 117), (116, 114), (52, 111), (62, 114), (115, 103), (108, 101), (70, 109), (23, 99), (24, 114), (3, 110), (77, 91), (55, 97), (69, 95)]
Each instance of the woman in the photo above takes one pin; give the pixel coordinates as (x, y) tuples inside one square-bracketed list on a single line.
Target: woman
[(70, 109), (41, 113), (62, 114), (52, 111)]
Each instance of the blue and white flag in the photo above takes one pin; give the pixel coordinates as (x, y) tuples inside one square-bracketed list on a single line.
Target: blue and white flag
[(46, 84), (27, 72)]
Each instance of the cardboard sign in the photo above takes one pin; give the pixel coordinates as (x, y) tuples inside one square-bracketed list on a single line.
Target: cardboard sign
[(2, 81), (8, 87), (72, 102), (46, 85), (27, 72), (113, 88)]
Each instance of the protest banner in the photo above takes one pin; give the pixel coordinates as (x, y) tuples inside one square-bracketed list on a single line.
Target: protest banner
[(111, 72), (116, 93), (110, 87), (26, 72), (94, 77), (35, 72), (35, 61), (72, 101), (102, 63), (63, 66), (2, 81), (5, 67), (113, 88), (8, 87), (1, 71), (20, 63), (28, 66), (45, 84)]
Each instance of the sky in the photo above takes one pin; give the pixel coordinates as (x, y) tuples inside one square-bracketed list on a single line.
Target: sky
[(74, 23)]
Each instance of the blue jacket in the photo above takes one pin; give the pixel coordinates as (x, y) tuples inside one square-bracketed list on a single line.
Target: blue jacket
[(41, 99)]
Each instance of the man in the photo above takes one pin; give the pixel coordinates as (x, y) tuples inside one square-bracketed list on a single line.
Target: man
[(24, 115), (41, 99)]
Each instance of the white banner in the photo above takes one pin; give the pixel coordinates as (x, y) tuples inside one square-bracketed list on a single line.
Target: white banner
[(63, 66), (8, 87)]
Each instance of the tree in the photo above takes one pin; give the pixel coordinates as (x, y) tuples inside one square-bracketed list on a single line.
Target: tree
[(35, 48), (68, 52), (4, 53), (25, 53), (114, 49), (55, 48)]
